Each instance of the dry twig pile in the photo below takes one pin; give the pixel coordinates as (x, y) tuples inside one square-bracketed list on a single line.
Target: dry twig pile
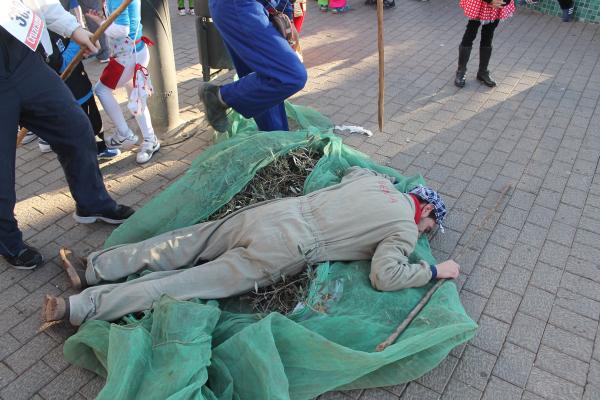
[(284, 177)]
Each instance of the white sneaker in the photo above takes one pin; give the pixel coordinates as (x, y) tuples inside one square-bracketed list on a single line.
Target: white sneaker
[(44, 146), (182, 12), (192, 12), (147, 149), (29, 137), (115, 141)]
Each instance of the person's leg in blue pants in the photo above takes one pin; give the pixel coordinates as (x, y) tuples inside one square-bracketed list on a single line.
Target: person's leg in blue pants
[(35, 95), (269, 70)]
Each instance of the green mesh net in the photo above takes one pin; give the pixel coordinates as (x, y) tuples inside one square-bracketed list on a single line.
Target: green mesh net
[(210, 350)]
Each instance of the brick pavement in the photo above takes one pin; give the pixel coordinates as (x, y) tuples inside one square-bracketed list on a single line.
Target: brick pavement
[(530, 277)]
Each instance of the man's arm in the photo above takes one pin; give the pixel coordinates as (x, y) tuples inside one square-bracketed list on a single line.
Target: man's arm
[(57, 18), (390, 269)]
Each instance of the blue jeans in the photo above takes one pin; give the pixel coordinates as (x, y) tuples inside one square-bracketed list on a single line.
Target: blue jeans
[(268, 68), (33, 96)]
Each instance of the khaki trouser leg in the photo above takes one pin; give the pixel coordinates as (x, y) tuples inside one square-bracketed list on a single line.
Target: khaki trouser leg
[(235, 272), (171, 250)]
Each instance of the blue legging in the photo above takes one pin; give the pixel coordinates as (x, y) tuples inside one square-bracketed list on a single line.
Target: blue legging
[(268, 68)]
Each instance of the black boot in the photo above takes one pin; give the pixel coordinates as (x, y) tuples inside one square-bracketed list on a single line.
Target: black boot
[(463, 58), (483, 75)]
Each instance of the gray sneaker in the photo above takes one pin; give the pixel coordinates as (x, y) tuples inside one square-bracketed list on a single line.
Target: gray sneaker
[(115, 141), (216, 112)]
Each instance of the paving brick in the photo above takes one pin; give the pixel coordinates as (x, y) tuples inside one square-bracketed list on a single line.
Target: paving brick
[(513, 217), (491, 334), (8, 345), (548, 198), (66, 384), (591, 392), (554, 254), (482, 281), (514, 279), (458, 390), (326, 396), (524, 255), (537, 303), (594, 373), (494, 257), (568, 343), (514, 364), (378, 394), (533, 235), (552, 387), (577, 303), (561, 233), (497, 389), (30, 353), (503, 305), (473, 304), (6, 375), (28, 383), (91, 389), (581, 285), (475, 367), (414, 391), (562, 365), (55, 359), (541, 216), (526, 331), (573, 322), (437, 378), (567, 214)]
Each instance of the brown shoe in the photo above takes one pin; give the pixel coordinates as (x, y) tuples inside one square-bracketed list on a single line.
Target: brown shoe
[(54, 309), (74, 267)]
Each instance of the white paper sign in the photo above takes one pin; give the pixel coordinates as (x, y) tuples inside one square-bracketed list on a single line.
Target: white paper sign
[(21, 22)]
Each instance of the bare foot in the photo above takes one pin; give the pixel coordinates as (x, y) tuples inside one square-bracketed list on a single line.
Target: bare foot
[(54, 308), (74, 268)]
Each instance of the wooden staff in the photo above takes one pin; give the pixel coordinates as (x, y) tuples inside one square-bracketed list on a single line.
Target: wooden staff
[(398, 331), (79, 56), (381, 64)]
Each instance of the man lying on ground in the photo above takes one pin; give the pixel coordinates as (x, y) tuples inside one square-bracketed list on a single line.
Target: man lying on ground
[(362, 218)]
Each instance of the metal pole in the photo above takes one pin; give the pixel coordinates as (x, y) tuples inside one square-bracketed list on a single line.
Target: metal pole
[(164, 104)]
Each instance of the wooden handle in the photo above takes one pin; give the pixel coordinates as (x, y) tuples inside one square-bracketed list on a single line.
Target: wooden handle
[(79, 56), (380, 103)]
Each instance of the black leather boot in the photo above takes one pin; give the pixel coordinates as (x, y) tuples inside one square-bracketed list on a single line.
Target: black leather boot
[(463, 58), (483, 75)]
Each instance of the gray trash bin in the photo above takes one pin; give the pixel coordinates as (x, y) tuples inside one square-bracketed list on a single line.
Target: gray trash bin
[(212, 50)]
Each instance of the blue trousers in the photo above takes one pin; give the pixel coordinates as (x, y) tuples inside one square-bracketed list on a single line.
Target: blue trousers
[(33, 96), (268, 68)]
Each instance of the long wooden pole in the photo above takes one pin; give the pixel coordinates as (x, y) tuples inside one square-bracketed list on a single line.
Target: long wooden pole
[(380, 103), (79, 56), (398, 331)]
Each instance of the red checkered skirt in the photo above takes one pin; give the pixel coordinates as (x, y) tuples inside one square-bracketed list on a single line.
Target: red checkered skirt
[(482, 11)]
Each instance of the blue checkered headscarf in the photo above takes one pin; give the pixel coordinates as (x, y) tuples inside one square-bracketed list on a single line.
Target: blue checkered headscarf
[(429, 195)]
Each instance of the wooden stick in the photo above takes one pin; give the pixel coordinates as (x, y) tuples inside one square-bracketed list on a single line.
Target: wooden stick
[(79, 56), (421, 304), (380, 49)]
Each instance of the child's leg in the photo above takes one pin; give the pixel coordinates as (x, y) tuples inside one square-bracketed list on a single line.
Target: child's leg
[(112, 108), (181, 4), (91, 110), (143, 120)]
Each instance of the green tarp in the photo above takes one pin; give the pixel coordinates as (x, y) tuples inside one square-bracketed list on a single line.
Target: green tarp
[(210, 350)]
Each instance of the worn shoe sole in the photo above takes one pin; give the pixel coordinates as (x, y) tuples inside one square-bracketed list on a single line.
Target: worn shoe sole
[(92, 219), (66, 257), (216, 118)]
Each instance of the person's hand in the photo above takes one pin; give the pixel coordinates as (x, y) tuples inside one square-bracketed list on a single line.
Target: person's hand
[(448, 269), (83, 39), (497, 3), (95, 16)]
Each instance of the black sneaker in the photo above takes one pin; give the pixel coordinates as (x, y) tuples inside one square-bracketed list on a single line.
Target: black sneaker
[(28, 258), (115, 216), (216, 112)]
